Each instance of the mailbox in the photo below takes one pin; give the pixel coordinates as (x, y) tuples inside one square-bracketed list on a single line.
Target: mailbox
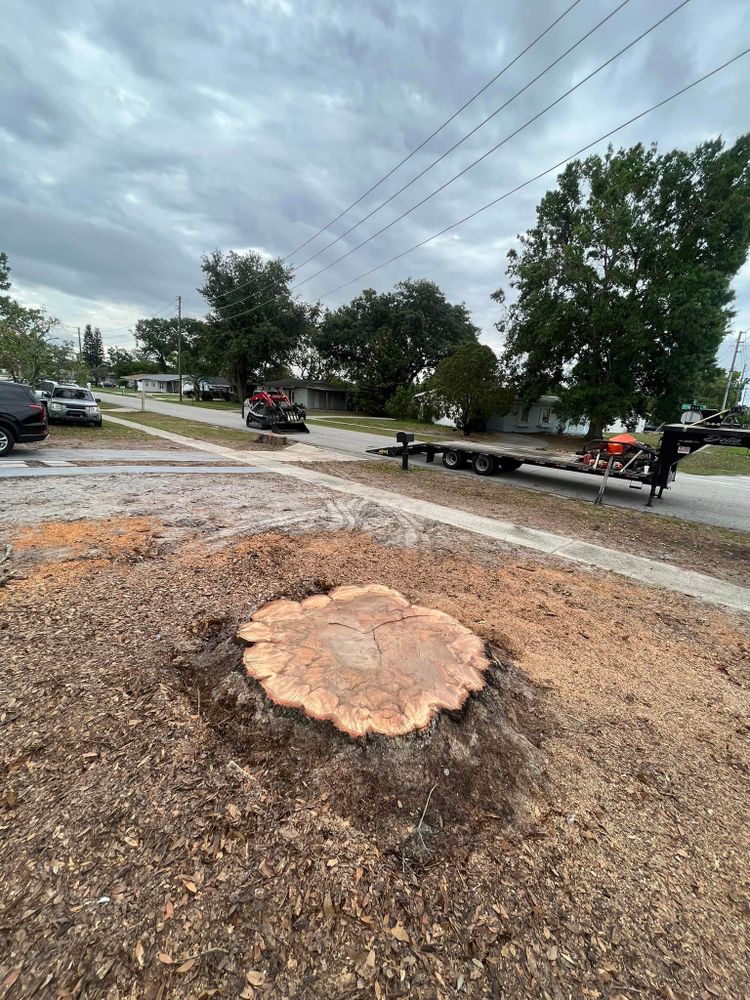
[(404, 437)]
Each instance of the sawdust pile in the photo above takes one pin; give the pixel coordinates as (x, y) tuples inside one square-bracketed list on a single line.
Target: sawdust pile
[(577, 830)]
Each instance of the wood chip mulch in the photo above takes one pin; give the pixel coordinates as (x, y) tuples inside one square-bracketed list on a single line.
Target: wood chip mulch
[(579, 829)]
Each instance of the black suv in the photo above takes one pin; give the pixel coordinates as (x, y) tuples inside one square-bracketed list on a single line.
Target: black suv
[(23, 418)]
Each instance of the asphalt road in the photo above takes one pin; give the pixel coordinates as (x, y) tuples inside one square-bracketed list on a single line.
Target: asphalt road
[(718, 500)]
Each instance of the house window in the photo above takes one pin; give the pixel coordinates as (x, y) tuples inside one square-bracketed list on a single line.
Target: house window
[(546, 415), (524, 418)]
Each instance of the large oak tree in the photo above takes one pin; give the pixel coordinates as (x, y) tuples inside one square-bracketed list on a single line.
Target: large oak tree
[(381, 341), (624, 283), (254, 324)]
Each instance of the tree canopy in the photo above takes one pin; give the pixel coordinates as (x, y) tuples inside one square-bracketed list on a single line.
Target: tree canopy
[(254, 325), (468, 388), (624, 283), (28, 351), (381, 341), (157, 339)]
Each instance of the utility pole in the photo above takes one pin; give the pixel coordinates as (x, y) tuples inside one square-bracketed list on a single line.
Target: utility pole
[(80, 349), (731, 370), (179, 344)]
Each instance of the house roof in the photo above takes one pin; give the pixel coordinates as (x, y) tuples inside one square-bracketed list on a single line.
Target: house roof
[(303, 383), (214, 380), (152, 375)]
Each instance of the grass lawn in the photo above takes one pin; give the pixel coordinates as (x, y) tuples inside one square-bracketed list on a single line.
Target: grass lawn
[(215, 404), (93, 437), (203, 432), (387, 427)]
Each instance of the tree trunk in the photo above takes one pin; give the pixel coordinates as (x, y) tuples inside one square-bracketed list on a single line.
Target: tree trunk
[(596, 429)]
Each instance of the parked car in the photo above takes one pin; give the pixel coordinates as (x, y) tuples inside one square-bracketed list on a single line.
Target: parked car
[(23, 419), (74, 404), (109, 384)]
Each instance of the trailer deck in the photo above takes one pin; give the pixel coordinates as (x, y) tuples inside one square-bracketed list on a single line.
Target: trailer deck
[(635, 462)]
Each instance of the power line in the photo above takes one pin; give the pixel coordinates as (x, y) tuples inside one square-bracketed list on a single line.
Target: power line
[(526, 183), (493, 149), (431, 136), (439, 129), (468, 135), (497, 146)]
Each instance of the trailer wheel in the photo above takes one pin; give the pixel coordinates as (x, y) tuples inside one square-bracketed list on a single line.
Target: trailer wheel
[(453, 459), (510, 464), (484, 465)]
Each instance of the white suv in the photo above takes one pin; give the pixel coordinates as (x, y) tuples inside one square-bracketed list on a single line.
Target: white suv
[(73, 404)]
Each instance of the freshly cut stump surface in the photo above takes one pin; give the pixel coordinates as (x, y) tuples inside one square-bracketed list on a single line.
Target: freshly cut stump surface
[(363, 658)]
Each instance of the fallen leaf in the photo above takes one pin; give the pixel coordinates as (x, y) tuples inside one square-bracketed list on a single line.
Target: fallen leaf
[(138, 952), (370, 960), (400, 933), (165, 958), (11, 978), (552, 953), (186, 966), (255, 978), (131, 841), (328, 907), (332, 862), (169, 910)]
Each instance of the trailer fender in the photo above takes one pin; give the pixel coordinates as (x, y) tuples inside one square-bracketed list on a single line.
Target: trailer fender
[(509, 464)]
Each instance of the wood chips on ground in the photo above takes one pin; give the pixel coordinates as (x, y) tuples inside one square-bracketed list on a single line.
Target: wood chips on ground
[(579, 829), (720, 552)]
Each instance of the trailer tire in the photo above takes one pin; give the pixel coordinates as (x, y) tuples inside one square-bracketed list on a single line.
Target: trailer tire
[(453, 459), (483, 464), (509, 464)]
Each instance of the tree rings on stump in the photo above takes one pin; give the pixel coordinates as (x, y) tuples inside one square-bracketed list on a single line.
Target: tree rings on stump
[(363, 658)]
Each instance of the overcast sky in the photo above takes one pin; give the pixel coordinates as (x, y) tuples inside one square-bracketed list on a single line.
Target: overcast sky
[(134, 136)]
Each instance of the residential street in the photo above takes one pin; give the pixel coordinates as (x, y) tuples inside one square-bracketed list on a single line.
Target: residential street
[(720, 500)]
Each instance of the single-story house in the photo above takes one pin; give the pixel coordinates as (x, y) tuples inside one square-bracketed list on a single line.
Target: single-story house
[(209, 386), (540, 417), (152, 383), (313, 395)]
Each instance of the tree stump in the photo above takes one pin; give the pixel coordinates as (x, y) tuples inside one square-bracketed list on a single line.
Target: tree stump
[(363, 658)]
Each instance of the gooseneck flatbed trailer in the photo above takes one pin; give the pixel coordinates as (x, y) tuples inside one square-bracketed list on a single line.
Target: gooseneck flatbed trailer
[(622, 457)]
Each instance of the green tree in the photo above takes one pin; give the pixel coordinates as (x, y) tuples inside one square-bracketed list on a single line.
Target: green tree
[(4, 282), (27, 349), (709, 387), (254, 325), (92, 350), (157, 339), (381, 341), (468, 387), (122, 361), (624, 283)]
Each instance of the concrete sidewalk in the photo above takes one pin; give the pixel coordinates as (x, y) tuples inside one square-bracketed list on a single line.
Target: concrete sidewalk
[(648, 571)]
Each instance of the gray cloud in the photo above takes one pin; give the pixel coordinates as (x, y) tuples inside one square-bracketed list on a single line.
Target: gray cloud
[(135, 136)]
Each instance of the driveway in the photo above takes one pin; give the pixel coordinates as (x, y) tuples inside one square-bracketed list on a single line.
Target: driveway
[(720, 500)]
